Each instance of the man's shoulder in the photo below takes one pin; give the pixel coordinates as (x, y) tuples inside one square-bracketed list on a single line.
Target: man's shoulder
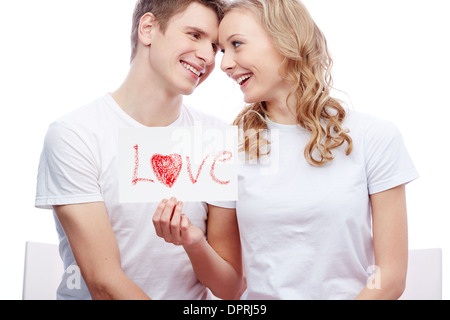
[(95, 118), (86, 112)]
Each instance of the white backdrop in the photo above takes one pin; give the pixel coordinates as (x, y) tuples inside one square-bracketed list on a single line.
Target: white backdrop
[(391, 60)]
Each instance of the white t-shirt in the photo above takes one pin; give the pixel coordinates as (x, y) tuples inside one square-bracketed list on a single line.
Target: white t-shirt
[(79, 164), (306, 231)]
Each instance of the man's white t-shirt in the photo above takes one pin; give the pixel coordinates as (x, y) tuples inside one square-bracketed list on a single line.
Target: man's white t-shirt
[(79, 164), (306, 231)]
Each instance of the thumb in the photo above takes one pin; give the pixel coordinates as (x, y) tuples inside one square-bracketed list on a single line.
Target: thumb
[(185, 223)]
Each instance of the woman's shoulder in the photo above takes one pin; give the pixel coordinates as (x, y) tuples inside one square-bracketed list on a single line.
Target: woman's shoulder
[(363, 122)]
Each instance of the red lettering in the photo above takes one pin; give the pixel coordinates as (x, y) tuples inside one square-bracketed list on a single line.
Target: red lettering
[(168, 168), (136, 168), (226, 156), (194, 181)]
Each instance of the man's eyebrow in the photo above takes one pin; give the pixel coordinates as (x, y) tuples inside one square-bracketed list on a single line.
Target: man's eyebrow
[(200, 31), (196, 29)]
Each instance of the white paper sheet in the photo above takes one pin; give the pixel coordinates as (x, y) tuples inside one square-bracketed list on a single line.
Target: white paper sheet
[(189, 163)]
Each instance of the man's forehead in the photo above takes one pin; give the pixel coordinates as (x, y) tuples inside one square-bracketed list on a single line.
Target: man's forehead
[(200, 17)]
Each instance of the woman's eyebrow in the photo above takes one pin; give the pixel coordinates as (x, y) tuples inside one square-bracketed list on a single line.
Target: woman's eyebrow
[(234, 35), (231, 37)]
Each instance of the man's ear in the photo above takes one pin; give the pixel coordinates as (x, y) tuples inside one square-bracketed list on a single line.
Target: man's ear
[(146, 26)]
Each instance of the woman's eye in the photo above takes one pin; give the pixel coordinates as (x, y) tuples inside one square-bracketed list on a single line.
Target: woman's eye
[(195, 35), (236, 44)]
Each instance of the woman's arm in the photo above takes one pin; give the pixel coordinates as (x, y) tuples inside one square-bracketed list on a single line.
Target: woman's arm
[(217, 262), (390, 238)]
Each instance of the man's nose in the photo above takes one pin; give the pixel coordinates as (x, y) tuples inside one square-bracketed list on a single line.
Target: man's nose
[(207, 54)]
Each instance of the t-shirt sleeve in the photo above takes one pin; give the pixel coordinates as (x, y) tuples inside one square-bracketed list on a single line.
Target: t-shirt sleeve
[(223, 204), (388, 163), (68, 172)]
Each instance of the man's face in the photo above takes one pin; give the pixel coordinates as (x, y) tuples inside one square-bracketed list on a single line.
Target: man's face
[(184, 56)]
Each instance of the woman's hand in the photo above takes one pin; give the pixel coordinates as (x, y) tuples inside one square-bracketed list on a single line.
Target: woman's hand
[(217, 262), (174, 226)]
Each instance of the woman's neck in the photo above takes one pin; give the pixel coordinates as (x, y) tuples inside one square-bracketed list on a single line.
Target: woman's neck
[(282, 112)]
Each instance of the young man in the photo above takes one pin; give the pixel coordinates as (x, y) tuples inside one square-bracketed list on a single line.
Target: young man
[(114, 245)]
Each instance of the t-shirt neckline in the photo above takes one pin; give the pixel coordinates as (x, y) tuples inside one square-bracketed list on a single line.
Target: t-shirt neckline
[(133, 122)]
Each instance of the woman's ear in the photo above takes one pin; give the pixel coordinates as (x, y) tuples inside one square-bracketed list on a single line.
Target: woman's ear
[(146, 26)]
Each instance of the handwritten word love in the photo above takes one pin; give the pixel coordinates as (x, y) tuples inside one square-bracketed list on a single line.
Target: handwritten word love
[(167, 168)]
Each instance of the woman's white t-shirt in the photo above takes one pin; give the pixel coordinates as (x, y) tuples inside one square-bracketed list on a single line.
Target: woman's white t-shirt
[(79, 164), (306, 231)]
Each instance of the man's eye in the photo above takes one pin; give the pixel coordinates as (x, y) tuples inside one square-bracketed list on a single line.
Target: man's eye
[(215, 48), (195, 35)]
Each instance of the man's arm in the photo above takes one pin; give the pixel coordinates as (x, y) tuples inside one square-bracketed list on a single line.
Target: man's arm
[(96, 251)]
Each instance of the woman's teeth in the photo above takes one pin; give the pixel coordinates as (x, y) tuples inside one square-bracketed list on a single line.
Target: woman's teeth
[(191, 68), (243, 78)]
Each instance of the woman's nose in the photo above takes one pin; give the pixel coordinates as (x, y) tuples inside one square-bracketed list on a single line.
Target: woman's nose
[(227, 65)]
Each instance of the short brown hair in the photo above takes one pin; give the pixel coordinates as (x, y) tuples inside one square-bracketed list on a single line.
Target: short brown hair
[(164, 10)]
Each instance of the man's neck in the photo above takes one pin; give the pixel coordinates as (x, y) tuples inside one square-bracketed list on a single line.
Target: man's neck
[(145, 101)]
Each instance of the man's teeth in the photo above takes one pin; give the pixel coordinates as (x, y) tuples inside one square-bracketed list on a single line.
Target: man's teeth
[(191, 68), (243, 78)]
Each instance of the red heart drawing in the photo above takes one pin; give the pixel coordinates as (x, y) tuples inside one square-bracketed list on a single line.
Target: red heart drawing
[(167, 168)]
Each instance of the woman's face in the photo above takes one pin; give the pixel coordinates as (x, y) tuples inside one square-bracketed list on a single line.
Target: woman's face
[(251, 59)]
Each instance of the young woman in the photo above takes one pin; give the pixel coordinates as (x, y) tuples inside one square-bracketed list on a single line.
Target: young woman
[(322, 209)]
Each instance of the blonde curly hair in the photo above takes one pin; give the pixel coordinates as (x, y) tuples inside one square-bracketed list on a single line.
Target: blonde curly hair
[(308, 65)]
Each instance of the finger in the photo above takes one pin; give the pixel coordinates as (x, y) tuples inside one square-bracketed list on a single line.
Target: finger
[(175, 224), (185, 224), (166, 217), (157, 217)]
